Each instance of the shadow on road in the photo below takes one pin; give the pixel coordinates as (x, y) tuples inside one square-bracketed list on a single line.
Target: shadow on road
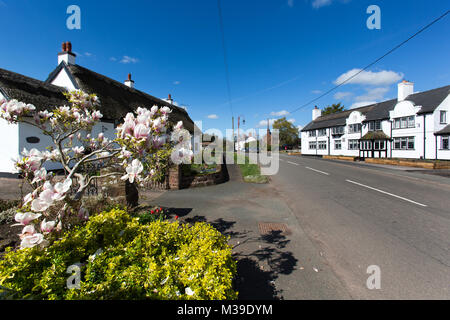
[(257, 269)]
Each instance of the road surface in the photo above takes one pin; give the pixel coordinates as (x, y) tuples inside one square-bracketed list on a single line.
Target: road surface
[(360, 216)]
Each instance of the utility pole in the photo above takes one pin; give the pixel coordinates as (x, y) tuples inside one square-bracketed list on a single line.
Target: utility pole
[(232, 138)]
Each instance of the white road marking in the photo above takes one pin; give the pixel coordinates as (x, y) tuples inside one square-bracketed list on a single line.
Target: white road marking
[(391, 194), (293, 163), (317, 171)]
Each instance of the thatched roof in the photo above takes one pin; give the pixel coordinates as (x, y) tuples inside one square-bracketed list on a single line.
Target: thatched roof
[(42, 95), (375, 135), (333, 119), (428, 100), (116, 98)]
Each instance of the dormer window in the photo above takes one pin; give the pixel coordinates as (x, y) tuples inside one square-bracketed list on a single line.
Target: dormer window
[(354, 128), (404, 122)]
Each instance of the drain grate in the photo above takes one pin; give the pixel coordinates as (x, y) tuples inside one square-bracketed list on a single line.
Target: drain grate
[(269, 227)]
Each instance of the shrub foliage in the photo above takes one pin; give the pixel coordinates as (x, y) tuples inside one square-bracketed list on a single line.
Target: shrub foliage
[(158, 260)]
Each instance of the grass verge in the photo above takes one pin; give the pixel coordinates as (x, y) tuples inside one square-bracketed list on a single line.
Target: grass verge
[(251, 172)]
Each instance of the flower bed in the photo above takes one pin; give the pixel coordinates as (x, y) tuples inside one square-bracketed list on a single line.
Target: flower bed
[(121, 258)]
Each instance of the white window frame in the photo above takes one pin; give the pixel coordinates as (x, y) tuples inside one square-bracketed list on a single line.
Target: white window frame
[(337, 145), (445, 138), (443, 117)]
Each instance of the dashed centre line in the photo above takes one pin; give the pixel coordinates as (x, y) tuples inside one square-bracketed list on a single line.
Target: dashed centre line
[(390, 194), (322, 172), (293, 163)]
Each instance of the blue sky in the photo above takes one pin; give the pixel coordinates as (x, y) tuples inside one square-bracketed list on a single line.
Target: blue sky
[(281, 53)]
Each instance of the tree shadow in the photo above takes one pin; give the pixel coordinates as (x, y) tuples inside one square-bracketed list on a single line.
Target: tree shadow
[(257, 270)]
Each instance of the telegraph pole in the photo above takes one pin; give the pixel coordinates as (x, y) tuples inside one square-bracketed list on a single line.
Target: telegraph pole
[(232, 138)]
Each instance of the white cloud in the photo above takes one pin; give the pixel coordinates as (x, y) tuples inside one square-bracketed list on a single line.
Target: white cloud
[(128, 59), (292, 120), (316, 91), (375, 94), (263, 123), (321, 3), (380, 78), (290, 3), (342, 95), (88, 54), (112, 59), (279, 113), (213, 116), (176, 82), (299, 127)]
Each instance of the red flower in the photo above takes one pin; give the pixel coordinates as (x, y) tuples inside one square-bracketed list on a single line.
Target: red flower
[(176, 217), (152, 212)]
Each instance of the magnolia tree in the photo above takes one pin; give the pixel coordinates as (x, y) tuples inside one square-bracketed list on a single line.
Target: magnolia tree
[(140, 150)]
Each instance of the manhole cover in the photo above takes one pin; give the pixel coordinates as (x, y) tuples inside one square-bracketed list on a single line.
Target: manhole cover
[(270, 227)]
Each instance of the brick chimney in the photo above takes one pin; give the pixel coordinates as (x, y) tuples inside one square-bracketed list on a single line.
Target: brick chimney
[(129, 82), (66, 54), (169, 99), (405, 88)]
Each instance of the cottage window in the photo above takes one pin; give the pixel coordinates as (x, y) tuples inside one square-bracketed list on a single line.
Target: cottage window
[(337, 145), (337, 130), (312, 133), (312, 145), (404, 122), (353, 144), (322, 145), (443, 117), (445, 142), (32, 139), (404, 143)]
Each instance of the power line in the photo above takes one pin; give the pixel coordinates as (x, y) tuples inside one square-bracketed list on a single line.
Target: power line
[(372, 63), (225, 61)]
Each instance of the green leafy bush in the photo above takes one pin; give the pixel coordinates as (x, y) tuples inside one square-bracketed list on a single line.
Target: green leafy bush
[(159, 260)]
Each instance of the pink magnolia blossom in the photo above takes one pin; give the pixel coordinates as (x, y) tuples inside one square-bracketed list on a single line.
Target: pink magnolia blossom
[(47, 226), (133, 170), (27, 231), (141, 131), (25, 218), (39, 175), (30, 241)]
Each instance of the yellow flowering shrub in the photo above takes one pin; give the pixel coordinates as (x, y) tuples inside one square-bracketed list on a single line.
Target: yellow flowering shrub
[(158, 260)]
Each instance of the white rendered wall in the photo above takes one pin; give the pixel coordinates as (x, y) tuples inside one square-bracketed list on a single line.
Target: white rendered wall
[(63, 80), (9, 146), (26, 130)]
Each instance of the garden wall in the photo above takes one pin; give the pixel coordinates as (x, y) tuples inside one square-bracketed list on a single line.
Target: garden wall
[(430, 164), (178, 181)]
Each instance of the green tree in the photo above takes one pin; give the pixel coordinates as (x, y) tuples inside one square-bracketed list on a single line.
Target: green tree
[(334, 108), (288, 133)]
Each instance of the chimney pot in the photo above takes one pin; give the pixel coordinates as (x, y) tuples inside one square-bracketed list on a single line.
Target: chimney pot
[(66, 55), (129, 77)]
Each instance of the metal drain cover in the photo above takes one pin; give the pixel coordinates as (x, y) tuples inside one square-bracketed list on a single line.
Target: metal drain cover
[(266, 228)]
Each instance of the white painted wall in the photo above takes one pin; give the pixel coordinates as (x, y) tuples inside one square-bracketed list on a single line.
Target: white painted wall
[(9, 146), (63, 80)]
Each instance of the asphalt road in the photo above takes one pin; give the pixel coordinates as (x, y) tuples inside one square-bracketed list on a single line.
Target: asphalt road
[(359, 216)]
